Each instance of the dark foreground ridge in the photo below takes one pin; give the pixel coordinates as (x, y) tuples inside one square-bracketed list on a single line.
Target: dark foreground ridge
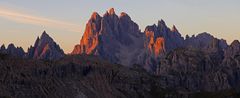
[(82, 76)]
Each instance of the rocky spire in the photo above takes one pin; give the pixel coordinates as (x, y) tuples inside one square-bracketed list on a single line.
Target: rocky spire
[(124, 15), (174, 29), (45, 36), (162, 23), (45, 48), (12, 50), (95, 16), (11, 46), (115, 32), (111, 11), (2, 47), (187, 37)]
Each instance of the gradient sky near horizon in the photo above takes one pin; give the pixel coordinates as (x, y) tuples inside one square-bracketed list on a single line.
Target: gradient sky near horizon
[(21, 21)]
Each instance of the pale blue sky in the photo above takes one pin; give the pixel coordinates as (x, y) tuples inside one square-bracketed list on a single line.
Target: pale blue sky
[(21, 21)]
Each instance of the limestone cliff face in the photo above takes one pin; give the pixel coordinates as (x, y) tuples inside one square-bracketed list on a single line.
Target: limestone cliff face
[(45, 48)]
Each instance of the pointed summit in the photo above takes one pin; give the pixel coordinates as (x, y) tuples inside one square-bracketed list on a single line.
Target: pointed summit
[(95, 16), (124, 15), (174, 29), (111, 11), (2, 47), (44, 32), (161, 23), (44, 35), (235, 43), (45, 48)]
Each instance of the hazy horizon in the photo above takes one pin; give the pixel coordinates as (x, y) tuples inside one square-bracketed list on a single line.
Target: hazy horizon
[(22, 21)]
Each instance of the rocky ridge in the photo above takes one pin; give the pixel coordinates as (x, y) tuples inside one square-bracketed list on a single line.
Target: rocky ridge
[(45, 48), (12, 50), (119, 39)]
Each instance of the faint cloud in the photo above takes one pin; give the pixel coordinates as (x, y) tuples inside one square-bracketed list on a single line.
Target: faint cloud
[(36, 20)]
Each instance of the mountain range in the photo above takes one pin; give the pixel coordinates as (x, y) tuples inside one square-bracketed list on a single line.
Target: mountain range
[(44, 48), (200, 63)]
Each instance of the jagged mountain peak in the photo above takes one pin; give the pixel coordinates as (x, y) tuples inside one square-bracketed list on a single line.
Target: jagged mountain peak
[(3, 47), (111, 11), (11, 45), (235, 43), (161, 23), (13, 50), (109, 35), (187, 37), (45, 48), (123, 14), (44, 32), (174, 29), (112, 37), (45, 36), (95, 16)]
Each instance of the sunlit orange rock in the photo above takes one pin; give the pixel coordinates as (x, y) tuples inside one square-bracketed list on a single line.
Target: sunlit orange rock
[(159, 46), (155, 44), (89, 40)]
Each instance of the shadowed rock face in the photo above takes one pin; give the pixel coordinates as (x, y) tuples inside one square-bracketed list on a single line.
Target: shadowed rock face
[(74, 77), (84, 76), (12, 50), (205, 41), (193, 70), (111, 37), (45, 48), (197, 69), (233, 50)]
